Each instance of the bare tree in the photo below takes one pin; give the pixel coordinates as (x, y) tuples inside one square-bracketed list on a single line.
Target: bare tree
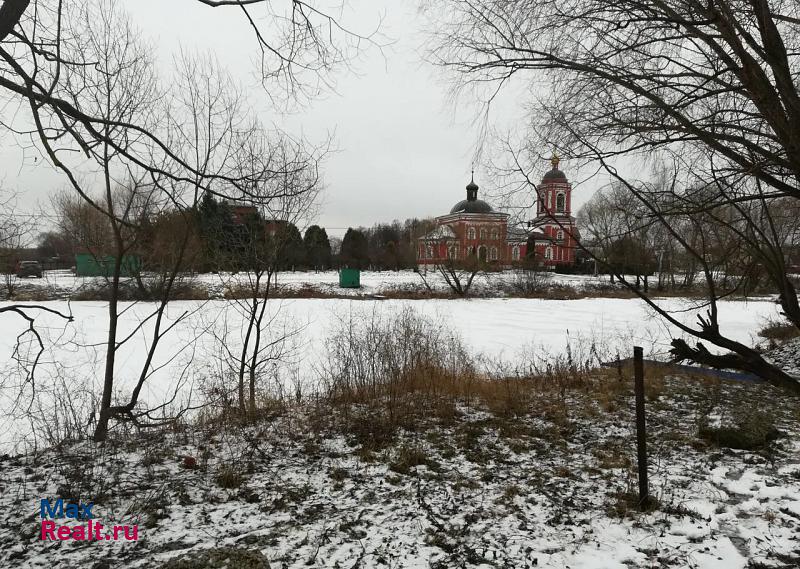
[(459, 274), (14, 233), (620, 232), (29, 345), (708, 88), (286, 184)]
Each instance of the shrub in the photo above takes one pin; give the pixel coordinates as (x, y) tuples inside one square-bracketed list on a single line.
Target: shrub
[(777, 332), (228, 477), (408, 457), (747, 428), (383, 360)]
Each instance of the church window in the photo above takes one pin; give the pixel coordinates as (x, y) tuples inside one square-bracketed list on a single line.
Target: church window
[(548, 253), (494, 234), (515, 253), (483, 234), (430, 252), (560, 235), (493, 254), (471, 233), (452, 252), (561, 202)]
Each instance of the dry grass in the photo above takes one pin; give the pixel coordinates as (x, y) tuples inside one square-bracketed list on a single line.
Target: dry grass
[(745, 428), (777, 332)]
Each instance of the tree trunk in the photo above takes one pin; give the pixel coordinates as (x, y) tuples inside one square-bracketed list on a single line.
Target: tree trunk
[(740, 357), (101, 430)]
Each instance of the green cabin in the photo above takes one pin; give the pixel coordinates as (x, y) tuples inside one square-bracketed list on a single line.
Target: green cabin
[(89, 265), (349, 278)]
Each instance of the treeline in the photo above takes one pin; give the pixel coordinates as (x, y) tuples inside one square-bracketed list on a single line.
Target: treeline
[(681, 240), (384, 246), (228, 237)]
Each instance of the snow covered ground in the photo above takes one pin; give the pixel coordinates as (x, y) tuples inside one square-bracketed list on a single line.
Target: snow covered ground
[(550, 487), (505, 332), (60, 284), (787, 356)]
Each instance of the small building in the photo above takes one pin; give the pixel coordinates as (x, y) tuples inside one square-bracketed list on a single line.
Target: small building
[(88, 264)]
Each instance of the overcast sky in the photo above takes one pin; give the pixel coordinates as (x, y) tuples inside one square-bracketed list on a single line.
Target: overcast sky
[(404, 148)]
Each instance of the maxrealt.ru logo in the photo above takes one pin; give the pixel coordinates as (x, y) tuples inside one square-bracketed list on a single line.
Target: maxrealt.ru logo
[(71, 512)]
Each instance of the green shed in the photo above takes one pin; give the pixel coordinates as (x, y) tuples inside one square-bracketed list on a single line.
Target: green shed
[(349, 278), (89, 265)]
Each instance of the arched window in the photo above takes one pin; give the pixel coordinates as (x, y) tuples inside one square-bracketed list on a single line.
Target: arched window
[(471, 233), (515, 253), (548, 253), (470, 251), (494, 234), (493, 254), (452, 252), (561, 203), (483, 234), (560, 235), (430, 252), (482, 253)]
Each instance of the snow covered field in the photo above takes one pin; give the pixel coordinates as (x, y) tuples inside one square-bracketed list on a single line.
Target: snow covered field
[(62, 283), (507, 332)]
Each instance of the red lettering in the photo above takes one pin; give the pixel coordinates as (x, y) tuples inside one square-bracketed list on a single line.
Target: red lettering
[(48, 528), (134, 533), (79, 533), (116, 529), (63, 532), (98, 527)]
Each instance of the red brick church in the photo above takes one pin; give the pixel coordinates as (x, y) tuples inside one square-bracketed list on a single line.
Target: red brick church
[(473, 227)]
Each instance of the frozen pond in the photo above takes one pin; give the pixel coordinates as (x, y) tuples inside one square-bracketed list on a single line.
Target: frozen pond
[(500, 330)]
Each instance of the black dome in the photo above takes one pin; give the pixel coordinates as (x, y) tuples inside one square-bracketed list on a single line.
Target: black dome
[(472, 206), (555, 174)]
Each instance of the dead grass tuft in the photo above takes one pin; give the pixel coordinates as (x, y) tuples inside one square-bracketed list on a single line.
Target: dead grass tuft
[(229, 477), (746, 428), (777, 332)]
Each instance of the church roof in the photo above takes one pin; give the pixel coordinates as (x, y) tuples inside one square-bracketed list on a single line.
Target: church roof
[(472, 206), (555, 173)]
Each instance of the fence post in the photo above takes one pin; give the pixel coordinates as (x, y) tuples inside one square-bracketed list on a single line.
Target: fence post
[(641, 429)]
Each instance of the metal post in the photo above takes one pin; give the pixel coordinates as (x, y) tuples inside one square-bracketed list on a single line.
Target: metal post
[(641, 431)]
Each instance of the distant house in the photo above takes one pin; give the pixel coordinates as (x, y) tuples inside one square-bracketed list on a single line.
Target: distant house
[(241, 213)]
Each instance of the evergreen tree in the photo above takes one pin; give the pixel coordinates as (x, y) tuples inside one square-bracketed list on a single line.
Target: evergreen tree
[(291, 253), (215, 223), (317, 248), (355, 250)]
